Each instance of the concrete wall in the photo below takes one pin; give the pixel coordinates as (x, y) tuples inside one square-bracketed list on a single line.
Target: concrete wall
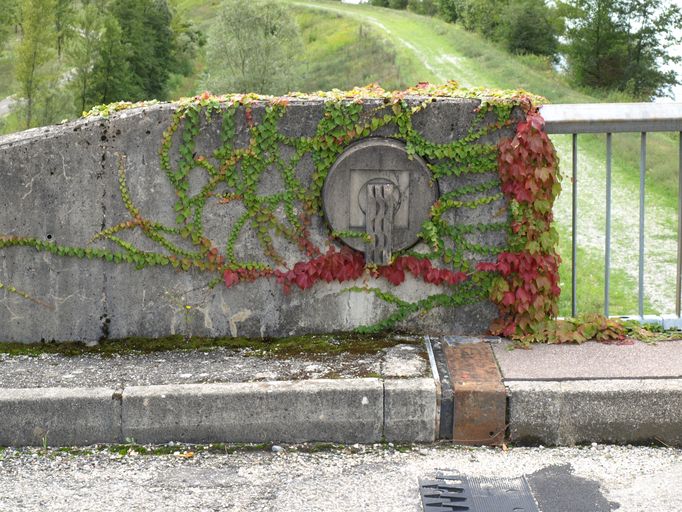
[(60, 183)]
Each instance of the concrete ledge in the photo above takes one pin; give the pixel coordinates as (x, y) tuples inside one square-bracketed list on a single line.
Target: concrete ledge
[(59, 416), (61, 183), (605, 411), (345, 411), (410, 410)]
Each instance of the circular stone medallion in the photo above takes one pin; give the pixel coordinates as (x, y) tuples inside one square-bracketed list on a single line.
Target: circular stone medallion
[(378, 161)]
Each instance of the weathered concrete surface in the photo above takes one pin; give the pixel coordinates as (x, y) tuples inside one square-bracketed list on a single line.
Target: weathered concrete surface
[(60, 184), (410, 410), (611, 411), (204, 367), (59, 416), (348, 411), (591, 360)]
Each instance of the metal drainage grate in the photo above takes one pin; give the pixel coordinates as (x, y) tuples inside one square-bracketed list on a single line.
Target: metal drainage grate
[(445, 494), (449, 493)]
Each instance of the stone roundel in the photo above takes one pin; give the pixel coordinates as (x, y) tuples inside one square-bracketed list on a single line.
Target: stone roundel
[(376, 161)]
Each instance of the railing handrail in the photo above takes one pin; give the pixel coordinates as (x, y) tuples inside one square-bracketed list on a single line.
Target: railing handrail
[(612, 117)]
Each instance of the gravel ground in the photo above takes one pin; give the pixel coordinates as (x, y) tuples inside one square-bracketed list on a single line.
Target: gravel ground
[(191, 367), (355, 478)]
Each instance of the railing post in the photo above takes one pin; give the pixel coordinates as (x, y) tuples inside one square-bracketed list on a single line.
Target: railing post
[(574, 230), (642, 173), (678, 281), (607, 241)]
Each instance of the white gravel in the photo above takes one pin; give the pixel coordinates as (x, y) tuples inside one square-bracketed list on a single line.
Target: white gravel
[(354, 478)]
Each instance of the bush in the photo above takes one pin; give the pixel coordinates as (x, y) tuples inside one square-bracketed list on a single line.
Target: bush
[(482, 16), (253, 46), (425, 7), (530, 26), (449, 10)]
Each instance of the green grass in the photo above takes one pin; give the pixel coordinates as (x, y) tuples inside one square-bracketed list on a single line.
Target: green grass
[(342, 53), (590, 283)]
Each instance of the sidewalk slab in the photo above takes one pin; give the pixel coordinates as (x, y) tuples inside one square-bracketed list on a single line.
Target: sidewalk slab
[(604, 411), (59, 416), (344, 411), (590, 360)]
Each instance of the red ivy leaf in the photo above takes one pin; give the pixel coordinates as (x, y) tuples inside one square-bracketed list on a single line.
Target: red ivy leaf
[(230, 277)]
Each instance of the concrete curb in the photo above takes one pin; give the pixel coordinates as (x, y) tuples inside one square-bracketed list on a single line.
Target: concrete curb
[(59, 416), (344, 411), (560, 413), (556, 411), (548, 412)]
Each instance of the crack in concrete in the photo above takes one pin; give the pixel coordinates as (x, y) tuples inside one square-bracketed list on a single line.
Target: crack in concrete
[(29, 185)]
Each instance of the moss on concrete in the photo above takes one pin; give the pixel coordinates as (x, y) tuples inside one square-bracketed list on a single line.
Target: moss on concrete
[(280, 347)]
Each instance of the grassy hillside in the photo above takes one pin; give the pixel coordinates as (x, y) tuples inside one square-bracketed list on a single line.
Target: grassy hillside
[(338, 52)]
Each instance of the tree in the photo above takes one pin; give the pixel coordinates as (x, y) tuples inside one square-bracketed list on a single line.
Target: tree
[(82, 53), (187, 40), (482, 16), (146, 31), (597, 42), (252, 47), (9, 19), (623, 45), (425, 7), (112, 78), (652, 32), (531, 26), (34, 51), (449, 10), (64, 14)]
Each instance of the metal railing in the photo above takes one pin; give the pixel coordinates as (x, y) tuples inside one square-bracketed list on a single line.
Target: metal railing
[(609, 118)]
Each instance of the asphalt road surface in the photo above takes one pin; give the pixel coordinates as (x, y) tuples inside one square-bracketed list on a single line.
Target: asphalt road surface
[(357, 478)]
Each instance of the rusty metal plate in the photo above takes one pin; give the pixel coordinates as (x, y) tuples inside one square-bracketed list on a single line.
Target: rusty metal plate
[(480, 399)]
